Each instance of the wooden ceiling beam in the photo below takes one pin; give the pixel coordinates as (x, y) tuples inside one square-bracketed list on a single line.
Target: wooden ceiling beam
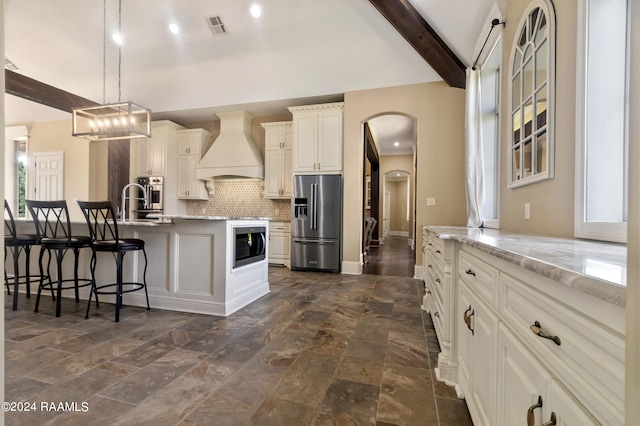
[(36, 91), (424, 39)]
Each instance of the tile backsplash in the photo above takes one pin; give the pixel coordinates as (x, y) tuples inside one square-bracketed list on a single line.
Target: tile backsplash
[(240, 197)]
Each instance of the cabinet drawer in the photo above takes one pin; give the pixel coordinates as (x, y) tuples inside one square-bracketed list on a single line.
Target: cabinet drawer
[(482, 278), (436, 278), (279, 226), (587, 357), (435, 247), (436, 317)]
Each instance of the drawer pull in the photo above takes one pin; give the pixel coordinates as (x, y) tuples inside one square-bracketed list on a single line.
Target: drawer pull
[(535, 328), (438, 280), (470, 272), (436, 314), (429, 266), (429, 244), (467, 319), (428, 291), (438, 251), (551, 422), (531, 417), (423, 249)]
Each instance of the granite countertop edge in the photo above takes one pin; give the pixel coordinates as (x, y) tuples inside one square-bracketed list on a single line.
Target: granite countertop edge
[(612, 292)]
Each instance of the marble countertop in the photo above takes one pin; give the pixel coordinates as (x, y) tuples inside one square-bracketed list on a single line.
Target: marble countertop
[(596, 268), (191, 217)]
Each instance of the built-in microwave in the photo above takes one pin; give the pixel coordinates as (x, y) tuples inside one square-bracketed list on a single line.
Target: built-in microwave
[(250, 245), (154, 195)]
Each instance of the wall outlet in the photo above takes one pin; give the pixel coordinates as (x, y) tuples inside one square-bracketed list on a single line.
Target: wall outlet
[(527, 211), (431, 201)]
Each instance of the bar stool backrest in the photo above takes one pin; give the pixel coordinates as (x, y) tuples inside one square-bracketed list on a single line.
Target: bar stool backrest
[(9, 223), (101, 220), (51, 218)]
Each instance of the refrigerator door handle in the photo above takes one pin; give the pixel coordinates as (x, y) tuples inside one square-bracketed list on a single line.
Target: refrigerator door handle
[(315, 206), (313, 242)]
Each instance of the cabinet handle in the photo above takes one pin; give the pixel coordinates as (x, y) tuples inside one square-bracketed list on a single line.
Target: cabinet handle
[(438, 280), (438, 251), (428, 291), (429, 266), (552, 421), (470, 272), (429, 244), (531, 417), (467, 319), (537, 330), (423, 249), (436, 314)]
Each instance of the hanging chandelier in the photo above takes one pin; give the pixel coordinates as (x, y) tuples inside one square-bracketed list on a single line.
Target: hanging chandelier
[(122, 120)]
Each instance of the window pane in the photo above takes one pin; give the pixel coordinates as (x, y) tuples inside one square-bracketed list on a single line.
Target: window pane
[(541, 64), (527, 86), (517, 59), (516, 90), (532, 20), (542, 30), (541, 152), (527, 159), (516, 127), (541, 107), (516, 164), (523, 37), (528, 115)]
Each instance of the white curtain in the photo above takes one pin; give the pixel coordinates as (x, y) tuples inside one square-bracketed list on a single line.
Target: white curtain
[(474, 162)]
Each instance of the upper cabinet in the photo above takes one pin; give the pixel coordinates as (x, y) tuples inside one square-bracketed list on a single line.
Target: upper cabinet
[(278, 174), (317, 138), (192, 144), (152, 152)]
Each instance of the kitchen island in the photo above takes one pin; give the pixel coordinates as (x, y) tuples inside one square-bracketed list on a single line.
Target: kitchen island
[(190, 264)]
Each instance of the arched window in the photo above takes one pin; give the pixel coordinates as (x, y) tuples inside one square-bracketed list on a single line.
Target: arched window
[(532, 104)]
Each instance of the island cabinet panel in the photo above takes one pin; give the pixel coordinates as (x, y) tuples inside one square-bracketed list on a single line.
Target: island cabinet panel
[(524, 329), (194, 267), (280, 243)]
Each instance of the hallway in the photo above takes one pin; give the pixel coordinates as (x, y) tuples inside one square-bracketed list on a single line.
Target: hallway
[(393, 258)]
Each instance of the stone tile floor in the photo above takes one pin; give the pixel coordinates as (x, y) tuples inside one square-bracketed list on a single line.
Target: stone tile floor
[(320, 349)]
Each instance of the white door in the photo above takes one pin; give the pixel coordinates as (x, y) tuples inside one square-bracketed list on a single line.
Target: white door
[(49, 176)]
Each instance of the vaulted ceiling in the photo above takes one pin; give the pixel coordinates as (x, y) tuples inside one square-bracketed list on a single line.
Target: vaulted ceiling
[(297, 52)]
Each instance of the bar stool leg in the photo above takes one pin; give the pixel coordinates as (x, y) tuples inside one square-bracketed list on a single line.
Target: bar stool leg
[(6, 277), (144, 278), (59, 257), (119, 285), (92, 266), (27, 251), (42, 277), (76, 255), (16, 279)]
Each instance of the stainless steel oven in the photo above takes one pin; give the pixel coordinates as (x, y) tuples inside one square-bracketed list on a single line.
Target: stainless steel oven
[(250, 245), (154, 189)]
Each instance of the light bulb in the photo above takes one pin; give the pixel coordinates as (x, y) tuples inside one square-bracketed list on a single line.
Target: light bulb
[(92, 124), (123, 120), (256, 11)]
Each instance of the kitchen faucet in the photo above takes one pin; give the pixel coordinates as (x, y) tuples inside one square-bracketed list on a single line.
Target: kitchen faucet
[(124, 198)]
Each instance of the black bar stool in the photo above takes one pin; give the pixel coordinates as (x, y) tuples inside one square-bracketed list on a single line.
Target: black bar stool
[(17, 243), (54, 227), (104, 231)]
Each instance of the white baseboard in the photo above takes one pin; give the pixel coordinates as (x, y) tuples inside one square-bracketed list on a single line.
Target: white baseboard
[(352, 268), (399, 233), (418, 272)]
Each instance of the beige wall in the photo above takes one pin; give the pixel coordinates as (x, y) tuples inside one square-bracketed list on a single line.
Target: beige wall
[(398, 207), (439, 114), (552, 201)]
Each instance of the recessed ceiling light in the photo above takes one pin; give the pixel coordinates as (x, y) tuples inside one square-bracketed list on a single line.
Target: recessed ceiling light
[(398, 174), (174, 28), (256, 10), (117, 38), (396, 144)]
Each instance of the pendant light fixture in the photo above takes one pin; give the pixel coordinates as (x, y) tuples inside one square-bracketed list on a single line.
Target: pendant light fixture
[(122, 120)]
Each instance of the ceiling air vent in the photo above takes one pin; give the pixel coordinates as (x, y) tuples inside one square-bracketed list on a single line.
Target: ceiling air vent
[(218, 28), (10, 65)]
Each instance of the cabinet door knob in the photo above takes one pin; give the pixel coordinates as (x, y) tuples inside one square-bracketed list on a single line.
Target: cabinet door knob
[(537, 330), (467, 319), (429, 266), (438, 251), (438, 280), (436, 314), (552, 421), (470, 272), (531, 417)]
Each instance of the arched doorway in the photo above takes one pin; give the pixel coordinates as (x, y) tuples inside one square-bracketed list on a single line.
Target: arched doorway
[(389, 193)]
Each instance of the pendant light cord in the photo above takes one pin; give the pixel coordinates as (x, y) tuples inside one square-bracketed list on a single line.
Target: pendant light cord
[(119, 47)]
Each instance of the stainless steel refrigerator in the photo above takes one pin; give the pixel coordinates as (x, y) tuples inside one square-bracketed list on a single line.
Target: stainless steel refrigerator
[(316, 222)]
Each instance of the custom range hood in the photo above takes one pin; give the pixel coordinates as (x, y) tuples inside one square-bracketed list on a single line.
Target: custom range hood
[(233, 153)]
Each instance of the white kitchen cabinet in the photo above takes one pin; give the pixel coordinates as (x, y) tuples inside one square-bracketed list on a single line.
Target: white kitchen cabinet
[(192, 145), (526, 389), (278, 175), (280, 243), (317, 138), (152, 153), (476, 351)]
